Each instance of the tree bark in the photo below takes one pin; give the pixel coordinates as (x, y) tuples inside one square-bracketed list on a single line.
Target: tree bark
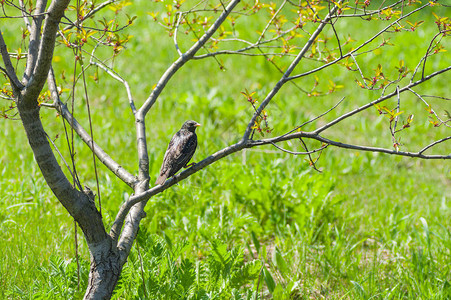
[(106, 264), (78, 204), (104, 272), (109, 252)]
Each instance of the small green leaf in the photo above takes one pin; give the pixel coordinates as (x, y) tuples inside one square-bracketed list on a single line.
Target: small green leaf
[(255, 241), (269, 280), (279, 262), (168, 240), (359, 288)]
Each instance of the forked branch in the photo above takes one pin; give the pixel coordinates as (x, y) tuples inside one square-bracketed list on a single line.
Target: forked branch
[(111, 164), (186, 57), (383, 98), (45, 52), (288, 72)]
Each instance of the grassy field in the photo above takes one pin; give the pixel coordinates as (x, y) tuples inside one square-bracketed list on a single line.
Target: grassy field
[(259, 223)]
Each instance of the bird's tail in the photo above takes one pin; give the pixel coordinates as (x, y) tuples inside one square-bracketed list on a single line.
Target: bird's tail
[(161, 179)]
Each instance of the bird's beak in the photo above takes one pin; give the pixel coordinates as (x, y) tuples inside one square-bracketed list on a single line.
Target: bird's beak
[(197, 125)]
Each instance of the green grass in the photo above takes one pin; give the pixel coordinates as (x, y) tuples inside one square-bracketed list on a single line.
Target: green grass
[(259, 223)]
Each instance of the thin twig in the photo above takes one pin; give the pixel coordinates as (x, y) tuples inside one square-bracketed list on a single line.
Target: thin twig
[(286, 75), (336, 36), (398, 106), (85, 87), (89, 15), (355, 50), (360, 71), (433, 144), (178, 17), (61, 156), (251, 46), (437, 97), (299, 153), (431, 111), (380, 99), (315, 118), (112, 165), (442, 33), (70, 142), (116, 76), (187, 56), (24, 15), (313, 162), (270, 22), (76, 254)]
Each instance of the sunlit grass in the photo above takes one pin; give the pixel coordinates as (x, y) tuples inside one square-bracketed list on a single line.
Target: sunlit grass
[(369, 226)]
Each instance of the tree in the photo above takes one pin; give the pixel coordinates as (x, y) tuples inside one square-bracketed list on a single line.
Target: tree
[(294, 32)]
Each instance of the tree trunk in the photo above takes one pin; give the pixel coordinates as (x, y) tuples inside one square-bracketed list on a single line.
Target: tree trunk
[(106, 264), (104, 272), (79, 205)]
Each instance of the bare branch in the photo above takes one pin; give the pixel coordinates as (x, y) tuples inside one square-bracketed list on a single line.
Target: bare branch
[(430, 108), (270, 22), (383, 98), (354, 51), (145, 195), (433, 144), (382, 150), (9, 69), (24, 15), (285, 76), (186, 57), (315, 118), (33, 46), (300, 153), (116, 76), (315, 136), (47, 45), (112, 165)]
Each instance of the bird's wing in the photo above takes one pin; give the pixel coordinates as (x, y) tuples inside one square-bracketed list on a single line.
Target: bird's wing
[(188, 149), (175, 147), (177, 154)]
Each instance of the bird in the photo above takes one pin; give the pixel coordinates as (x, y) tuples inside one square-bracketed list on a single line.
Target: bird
[(180, 150)]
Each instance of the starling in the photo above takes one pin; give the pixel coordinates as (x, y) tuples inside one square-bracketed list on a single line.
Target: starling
[(180, 150)]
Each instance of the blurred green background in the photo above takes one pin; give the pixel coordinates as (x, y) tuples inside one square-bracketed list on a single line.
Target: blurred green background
[(259, 223)]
